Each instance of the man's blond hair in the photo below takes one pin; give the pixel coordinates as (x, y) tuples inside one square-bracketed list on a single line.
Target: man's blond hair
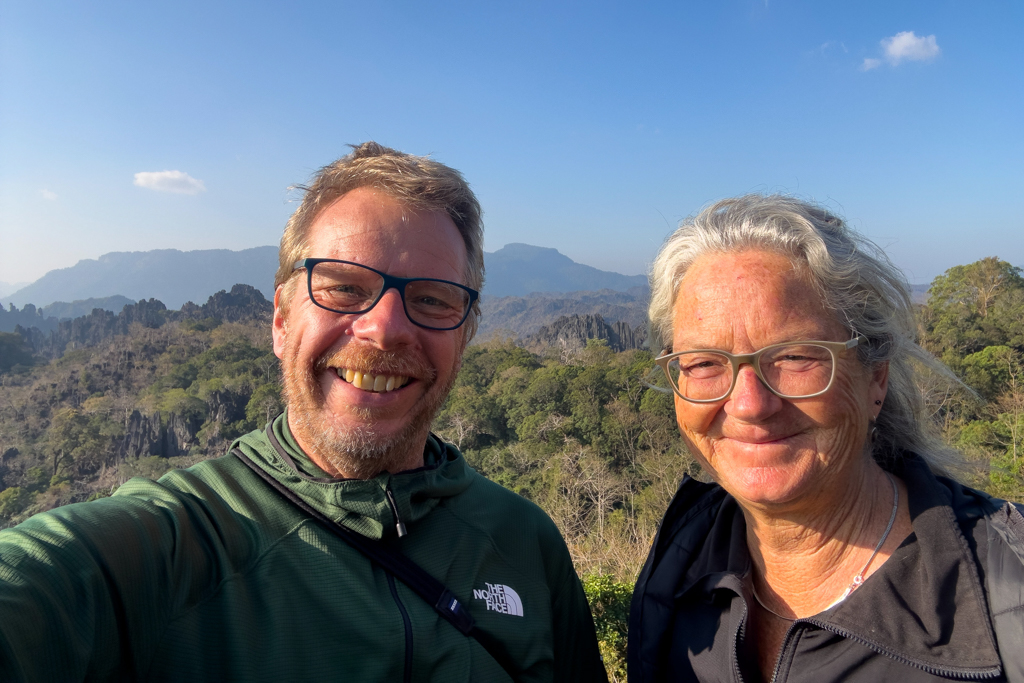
[(419, 183)]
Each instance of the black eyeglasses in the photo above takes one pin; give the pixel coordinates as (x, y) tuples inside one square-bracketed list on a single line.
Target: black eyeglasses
[(347, 287), (800, 369)]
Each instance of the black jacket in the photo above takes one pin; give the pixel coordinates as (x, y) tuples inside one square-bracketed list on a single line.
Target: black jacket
[(938, 609)]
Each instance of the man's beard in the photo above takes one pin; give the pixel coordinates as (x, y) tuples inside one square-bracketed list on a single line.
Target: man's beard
[(359, 451)]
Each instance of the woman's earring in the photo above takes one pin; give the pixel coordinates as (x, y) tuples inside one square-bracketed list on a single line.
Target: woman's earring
[(878, 403)]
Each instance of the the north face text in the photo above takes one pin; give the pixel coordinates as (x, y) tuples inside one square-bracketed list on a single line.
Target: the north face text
[(500, 598)]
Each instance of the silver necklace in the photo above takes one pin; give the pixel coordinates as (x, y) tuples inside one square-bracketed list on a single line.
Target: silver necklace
[(859, 579)]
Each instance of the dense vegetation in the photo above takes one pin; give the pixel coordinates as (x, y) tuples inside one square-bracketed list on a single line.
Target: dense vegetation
[(576, 430), (974, 323)]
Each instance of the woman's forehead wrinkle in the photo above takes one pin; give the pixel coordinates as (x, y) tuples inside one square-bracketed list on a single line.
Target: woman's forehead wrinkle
[(747, 300)]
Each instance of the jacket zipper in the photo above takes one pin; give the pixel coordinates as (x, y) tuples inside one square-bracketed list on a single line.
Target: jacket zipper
[(399, 527), (782, 651), (736, 646), (948, 673), (736, 643), (934, 671), (407, 676)]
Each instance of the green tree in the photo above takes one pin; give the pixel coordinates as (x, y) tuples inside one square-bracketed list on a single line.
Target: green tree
[(13, 500), (79, 442), (13, 352), (971, 307), (974, 287), (988, 371), (264, 405)]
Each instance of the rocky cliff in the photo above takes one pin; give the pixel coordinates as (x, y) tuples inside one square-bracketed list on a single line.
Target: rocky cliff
[(573, 332), (243, 302)]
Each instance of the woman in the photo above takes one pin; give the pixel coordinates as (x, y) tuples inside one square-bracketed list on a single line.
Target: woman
[(830, 547)]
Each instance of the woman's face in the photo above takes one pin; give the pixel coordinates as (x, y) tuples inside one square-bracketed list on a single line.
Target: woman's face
[(764, 449)]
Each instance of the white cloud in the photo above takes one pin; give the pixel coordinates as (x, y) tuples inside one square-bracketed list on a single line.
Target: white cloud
[(870, 64), (47, 195), (907, 46), (177, 182), (830, 44)]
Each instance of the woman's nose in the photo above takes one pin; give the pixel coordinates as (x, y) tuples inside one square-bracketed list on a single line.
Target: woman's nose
[(750, 398)]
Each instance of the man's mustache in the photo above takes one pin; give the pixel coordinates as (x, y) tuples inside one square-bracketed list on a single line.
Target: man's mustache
[(376, 361)]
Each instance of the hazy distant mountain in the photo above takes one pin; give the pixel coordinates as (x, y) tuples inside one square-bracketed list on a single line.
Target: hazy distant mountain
[(63, 310), (919, 293), (175, 277), (524, 316), (169, 275), (521, 269), (49, 317), (9, 288)]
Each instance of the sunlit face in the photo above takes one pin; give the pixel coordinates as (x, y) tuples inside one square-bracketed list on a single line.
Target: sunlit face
[(363, 426), (761, 448)]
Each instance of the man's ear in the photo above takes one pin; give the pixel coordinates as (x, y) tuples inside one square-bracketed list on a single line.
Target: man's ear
[(279, 328)]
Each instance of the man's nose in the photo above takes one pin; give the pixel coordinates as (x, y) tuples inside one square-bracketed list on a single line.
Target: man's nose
[(386, 324), (750, 398)]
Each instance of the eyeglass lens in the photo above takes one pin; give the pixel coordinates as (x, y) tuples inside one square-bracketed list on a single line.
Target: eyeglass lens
[(350, 288), (794, 370)]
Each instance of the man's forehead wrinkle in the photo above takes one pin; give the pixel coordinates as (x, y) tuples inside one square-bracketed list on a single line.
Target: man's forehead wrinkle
[(378, 231)]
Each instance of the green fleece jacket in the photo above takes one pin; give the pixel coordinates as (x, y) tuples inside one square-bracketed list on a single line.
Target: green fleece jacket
[(209, 574)]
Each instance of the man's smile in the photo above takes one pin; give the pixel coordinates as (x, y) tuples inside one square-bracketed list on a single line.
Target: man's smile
[(379, 383)]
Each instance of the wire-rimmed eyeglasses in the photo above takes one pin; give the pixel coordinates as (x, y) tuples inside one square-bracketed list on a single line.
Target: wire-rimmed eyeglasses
[(800, 369), (352, 288)]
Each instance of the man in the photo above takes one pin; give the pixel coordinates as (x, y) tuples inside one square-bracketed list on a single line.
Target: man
[(236, 569)]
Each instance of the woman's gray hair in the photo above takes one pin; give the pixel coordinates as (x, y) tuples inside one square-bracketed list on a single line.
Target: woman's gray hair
[(854, 278)]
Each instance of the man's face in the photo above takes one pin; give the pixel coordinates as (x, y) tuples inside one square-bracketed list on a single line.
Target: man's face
[(352, 431)]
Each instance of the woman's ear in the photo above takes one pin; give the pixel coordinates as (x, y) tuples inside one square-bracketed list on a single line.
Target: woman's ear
[(879, 385)]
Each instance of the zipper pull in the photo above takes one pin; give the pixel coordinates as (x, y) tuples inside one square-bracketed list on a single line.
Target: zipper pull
[(399, 527)]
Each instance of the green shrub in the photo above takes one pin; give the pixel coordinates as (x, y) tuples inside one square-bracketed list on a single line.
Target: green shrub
[(13, 501), (609, 603)]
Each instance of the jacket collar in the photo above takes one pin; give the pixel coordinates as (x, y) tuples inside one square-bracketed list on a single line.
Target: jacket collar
[(926, 603), (362, 505), (925, 606)]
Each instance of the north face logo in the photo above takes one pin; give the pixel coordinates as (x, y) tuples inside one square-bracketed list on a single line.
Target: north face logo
[(500, 598)]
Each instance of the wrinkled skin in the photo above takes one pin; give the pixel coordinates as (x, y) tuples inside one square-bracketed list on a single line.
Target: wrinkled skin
[(763, 449), (349, 431)]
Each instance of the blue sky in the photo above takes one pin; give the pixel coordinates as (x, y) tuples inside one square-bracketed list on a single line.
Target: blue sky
[(589, 127)]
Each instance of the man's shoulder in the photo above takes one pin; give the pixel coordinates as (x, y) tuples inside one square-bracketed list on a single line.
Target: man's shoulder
[(499, 504), (218, 496), (513, 525)]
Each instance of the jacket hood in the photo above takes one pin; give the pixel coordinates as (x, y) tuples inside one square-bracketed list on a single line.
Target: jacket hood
[(362, 505)]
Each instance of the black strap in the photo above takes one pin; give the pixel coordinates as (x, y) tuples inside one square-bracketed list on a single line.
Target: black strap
[(408, 572)]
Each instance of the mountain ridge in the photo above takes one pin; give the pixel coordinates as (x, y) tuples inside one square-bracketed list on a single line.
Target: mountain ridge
[(169, 275), (175, 277)]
